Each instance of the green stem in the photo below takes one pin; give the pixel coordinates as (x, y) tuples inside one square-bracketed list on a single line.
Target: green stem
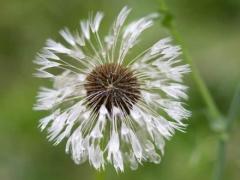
[(201, 86), (213, 110), (219, 169), (203, 90), (233, 114)]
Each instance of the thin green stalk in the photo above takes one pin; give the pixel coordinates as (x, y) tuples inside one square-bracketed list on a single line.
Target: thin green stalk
[(201, 86), (233, 114), (213, 110), (220, 164)]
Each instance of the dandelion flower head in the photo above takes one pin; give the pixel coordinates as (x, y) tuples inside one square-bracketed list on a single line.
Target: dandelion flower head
[(108, 107)]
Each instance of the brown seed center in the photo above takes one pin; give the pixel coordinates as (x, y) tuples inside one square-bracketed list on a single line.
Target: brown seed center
[(112, 85)]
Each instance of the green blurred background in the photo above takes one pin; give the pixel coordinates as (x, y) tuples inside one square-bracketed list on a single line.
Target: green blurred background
[(211, 30)]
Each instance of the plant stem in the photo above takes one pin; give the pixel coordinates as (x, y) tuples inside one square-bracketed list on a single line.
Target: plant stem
[(233, 114), (203, 90), (213, 110), (201, 86), (219, 169)]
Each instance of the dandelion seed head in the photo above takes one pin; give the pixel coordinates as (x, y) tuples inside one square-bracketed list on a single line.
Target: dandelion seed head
[(111, 108)]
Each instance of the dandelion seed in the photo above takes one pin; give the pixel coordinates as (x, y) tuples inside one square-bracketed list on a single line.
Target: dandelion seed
[(109, 108)]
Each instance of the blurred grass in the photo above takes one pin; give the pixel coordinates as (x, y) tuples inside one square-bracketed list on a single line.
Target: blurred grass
[(211, 30)]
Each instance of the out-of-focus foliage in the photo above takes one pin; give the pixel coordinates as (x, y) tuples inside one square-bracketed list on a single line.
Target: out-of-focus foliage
[(211, 30)]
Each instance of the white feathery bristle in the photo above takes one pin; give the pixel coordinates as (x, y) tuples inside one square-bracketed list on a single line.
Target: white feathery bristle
[(85, 29), (57, 47), (66, 34), (122, 16), (43, 74), (95, 23)]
